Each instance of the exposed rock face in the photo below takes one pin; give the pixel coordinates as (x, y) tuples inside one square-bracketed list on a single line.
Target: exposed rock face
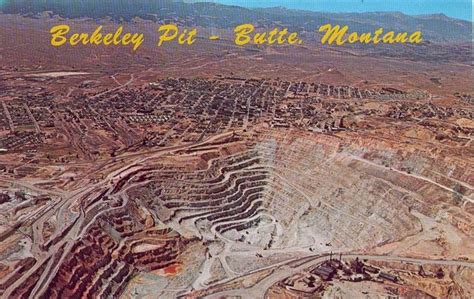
[(4, 197), (309, 189), (274, 192)]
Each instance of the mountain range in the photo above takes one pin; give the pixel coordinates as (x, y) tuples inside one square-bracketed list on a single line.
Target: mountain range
[(435, 28)]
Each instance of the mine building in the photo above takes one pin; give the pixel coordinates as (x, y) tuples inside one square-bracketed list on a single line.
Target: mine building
[(325, 272), (371, 269), (389, 277)]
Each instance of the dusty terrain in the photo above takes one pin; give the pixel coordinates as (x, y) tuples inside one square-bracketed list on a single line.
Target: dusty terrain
[(222, 171)]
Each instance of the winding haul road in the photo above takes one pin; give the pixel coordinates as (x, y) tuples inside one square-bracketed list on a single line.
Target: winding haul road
[(70, 217), (69, 213), (284, 270)]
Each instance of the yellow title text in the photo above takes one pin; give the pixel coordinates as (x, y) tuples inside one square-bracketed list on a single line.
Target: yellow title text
[(339, 36), (244, 34)]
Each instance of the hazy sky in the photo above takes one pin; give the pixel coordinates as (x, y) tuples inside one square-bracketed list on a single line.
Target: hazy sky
[(461, 9)]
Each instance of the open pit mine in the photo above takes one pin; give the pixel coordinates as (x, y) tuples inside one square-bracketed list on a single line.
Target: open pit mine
[(224, 187)]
